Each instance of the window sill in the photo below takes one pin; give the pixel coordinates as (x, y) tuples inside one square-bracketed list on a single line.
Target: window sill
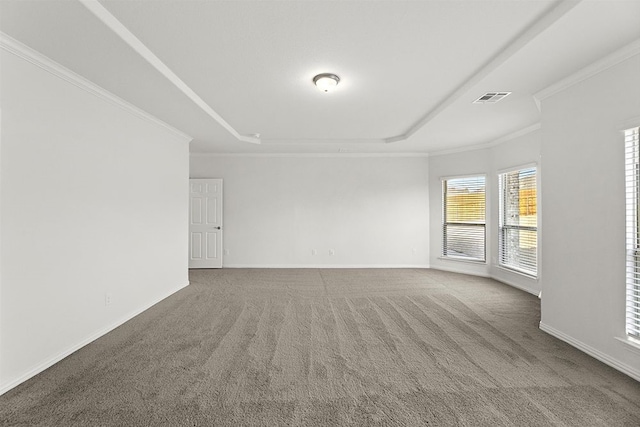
[(470, 261), (631, 344)]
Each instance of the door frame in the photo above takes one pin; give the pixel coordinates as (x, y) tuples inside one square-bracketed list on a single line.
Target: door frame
[(205, 228)]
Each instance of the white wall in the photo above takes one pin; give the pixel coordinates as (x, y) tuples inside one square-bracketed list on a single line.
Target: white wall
[(93, 201), (519, 151), (583, 202), (372, 211)]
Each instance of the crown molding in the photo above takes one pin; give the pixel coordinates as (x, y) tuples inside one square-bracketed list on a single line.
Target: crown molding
[(503, 139), (629, 123), (311, 155), (22, 51), (517, 43), (517, 134), (590, 70), (499, 141), (323, 141), (129, 38)]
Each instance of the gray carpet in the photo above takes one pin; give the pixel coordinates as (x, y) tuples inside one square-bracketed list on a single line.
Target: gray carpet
[(330, 347)]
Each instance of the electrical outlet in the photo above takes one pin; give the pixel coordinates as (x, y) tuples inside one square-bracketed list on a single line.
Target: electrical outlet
[(415, 251), (332, 252), (108, 299), (226, 251), (314, 252)]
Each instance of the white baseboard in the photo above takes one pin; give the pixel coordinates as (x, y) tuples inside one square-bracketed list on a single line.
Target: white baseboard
[(44, 365), (516, 285), (597, 354), (490, 276), (326, 266), (460, 271)]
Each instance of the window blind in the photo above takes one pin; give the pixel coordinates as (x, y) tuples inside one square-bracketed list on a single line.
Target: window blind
[(463, 228), (518, 224), (632, 182)]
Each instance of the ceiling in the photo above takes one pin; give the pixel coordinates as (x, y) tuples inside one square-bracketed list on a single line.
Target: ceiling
[(224, 71)]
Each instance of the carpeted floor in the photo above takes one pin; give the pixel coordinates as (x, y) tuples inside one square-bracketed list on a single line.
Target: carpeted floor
[(329, 348)]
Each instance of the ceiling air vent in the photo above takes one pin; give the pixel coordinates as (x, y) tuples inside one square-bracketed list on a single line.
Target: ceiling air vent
[(491, 97)]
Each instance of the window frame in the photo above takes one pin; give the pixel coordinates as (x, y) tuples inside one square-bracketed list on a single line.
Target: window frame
[(502, 221), (445, 223), (632, 234)]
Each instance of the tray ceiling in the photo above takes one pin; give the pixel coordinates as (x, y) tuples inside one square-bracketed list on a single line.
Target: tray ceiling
[(409, 71)]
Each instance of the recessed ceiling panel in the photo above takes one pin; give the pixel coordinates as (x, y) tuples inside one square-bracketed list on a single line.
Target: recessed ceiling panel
[(253, 62)]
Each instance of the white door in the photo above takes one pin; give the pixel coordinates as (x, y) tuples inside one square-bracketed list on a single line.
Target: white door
[(205, 223)]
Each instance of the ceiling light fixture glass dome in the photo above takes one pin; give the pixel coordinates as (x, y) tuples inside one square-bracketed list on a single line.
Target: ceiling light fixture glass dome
[(326, 82)]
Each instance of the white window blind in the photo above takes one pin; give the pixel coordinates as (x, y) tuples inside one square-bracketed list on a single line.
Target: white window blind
[(518, 225), (463, 228), (633, 232)]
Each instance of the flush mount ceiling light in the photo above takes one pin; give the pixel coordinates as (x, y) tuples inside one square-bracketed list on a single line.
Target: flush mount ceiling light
[(326, 81)]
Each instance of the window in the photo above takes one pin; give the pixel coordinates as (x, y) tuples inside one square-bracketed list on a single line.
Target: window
[(464, 218), (633, 232), (518, 221)]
